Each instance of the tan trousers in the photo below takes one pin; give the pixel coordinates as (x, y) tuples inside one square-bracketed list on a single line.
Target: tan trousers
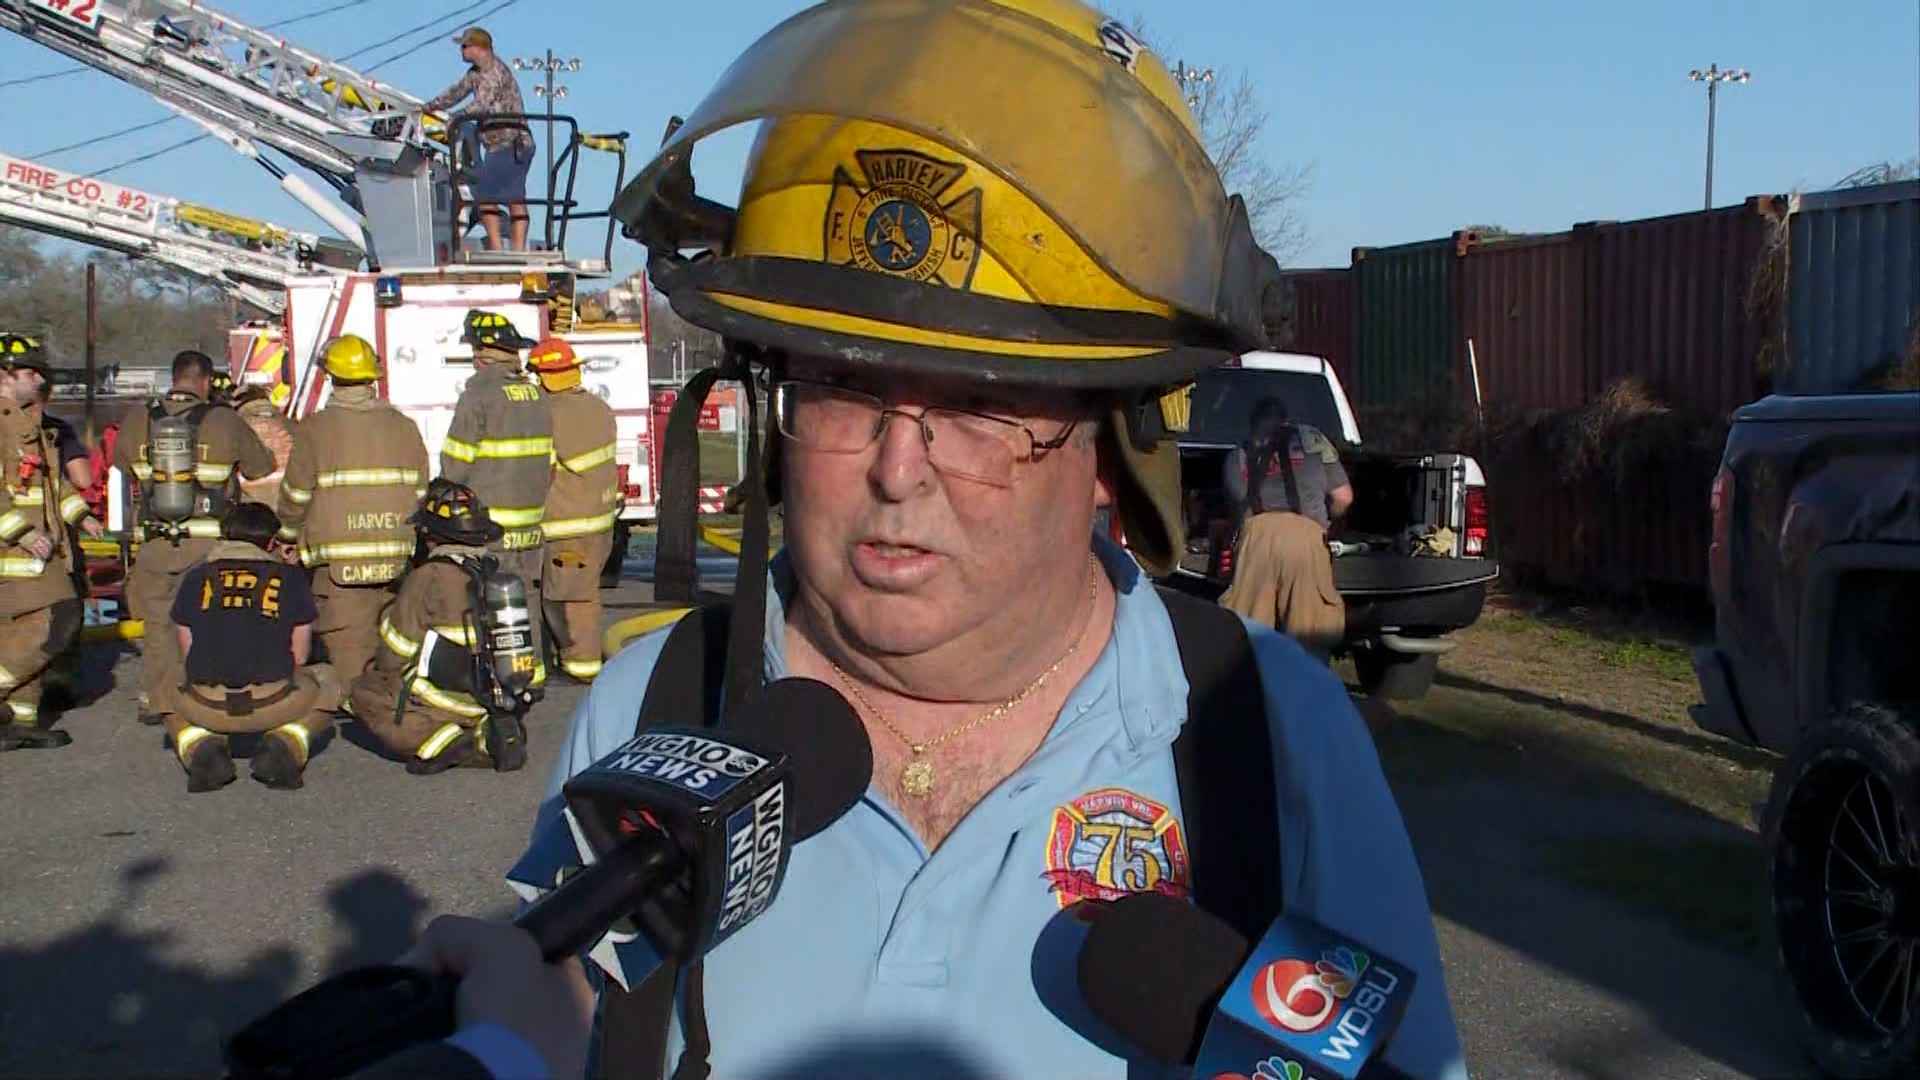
[(570, 601), (1283, 578), (150, 589), (373, 696), (349, 624), (303, 714), (28, 644)]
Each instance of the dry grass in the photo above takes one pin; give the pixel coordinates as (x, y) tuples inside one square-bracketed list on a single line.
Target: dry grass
[(1588, 711)]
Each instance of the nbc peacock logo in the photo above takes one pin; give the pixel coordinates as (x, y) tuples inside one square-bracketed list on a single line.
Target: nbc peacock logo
[(1274, 1068), (1302, 997)]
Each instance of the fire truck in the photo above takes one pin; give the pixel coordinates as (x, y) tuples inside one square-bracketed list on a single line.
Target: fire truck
[(403, 271)]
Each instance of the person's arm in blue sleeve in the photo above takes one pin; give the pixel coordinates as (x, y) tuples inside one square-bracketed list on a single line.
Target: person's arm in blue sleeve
[(1347, 860)]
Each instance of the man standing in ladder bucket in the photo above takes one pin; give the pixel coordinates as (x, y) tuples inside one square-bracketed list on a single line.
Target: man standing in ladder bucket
[(581, 507), (963, 369)]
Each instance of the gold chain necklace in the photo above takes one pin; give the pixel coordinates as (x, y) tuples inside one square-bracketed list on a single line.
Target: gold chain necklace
[(916, 780)]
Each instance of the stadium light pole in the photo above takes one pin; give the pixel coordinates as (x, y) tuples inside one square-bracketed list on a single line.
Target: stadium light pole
[(1713, 77), (549, 92), (1188, 78)]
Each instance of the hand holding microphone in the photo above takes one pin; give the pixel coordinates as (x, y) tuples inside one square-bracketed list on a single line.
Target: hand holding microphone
[(1180, 984), (504, 980), (688, 833)]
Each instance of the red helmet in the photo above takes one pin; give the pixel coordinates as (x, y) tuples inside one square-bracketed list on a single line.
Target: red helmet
[(553, 354)]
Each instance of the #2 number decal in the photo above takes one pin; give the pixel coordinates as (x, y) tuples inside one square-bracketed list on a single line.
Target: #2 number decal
[(80, 12)]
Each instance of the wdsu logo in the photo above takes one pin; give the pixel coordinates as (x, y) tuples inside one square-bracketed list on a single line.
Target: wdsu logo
[(1345, 991), (1274, 1068)]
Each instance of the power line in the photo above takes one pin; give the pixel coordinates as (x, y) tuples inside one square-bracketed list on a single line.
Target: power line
[(457, 14), (149, 156), (489, 13), (78, 68), (97, 139), (429, 24)]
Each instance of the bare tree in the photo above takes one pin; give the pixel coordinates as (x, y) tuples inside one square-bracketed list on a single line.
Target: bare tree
[(1881, 172), (1232, 121)]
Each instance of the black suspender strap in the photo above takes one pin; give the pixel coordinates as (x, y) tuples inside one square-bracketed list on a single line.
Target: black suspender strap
[(1226, 768), (684, 691)]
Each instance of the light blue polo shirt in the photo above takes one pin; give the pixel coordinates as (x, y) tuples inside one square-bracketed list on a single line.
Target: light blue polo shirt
[(878, 959)]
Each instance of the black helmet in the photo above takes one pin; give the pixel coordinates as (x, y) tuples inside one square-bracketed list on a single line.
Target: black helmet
[(492, 330), (453, 513), (23, 351)]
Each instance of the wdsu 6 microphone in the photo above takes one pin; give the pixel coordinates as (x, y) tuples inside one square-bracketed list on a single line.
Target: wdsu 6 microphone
[(1305, 1004), (686, 834)]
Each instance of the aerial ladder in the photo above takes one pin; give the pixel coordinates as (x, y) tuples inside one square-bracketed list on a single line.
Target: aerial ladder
[(250, 260), (252, 90)]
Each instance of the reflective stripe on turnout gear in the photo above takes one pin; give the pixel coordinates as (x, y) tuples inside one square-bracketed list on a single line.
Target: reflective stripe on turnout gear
[(439, 741), (297, 496), (24, 712), (572, 528), (213, 474), (8, 680), (189, 738), (452, 701), (339, 478), (355, 549), (12, 524), (21, 566), (516, 517), (583, 670), (528, 447), (397, 641), (299, 735), (582, 462)]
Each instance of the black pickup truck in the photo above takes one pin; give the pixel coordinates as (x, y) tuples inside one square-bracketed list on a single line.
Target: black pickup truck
[(1400, 605), (1814, 567)]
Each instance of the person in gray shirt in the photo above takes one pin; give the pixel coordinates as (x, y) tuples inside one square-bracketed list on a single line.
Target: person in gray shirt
[(1297, 467)]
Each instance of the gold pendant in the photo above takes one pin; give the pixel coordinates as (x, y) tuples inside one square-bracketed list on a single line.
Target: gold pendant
[(917, 778)]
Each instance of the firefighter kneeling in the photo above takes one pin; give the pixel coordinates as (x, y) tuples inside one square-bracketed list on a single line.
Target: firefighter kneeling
[(245, 625), (453, 678)]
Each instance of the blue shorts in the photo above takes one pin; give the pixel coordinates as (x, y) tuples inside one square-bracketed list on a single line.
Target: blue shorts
[(501, 174)]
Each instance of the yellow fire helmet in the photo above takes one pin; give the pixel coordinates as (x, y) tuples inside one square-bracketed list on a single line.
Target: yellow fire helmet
[(350, 359), (1011, 189)]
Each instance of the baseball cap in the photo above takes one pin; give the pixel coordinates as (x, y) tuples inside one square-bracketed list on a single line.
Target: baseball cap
[(473, 35)]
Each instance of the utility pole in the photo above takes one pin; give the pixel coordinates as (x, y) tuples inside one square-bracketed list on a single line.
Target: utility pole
[(93, 339), (1713, 77), (548, 93)]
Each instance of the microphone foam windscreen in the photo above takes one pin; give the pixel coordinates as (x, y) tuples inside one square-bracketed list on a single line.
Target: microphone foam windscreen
[(822, 738), (1153, 967)]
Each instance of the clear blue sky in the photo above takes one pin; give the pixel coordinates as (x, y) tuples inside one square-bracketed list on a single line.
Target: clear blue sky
[(1417, 117)]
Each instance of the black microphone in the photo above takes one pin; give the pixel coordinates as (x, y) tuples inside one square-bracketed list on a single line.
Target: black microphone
[(692, 828), (1186, 988)]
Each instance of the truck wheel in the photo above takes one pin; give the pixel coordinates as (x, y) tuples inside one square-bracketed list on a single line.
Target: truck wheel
[(1846, 891), (1400, 676), (617, 558)]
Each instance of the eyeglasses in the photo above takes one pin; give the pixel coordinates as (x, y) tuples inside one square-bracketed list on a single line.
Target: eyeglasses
[(970, 445)]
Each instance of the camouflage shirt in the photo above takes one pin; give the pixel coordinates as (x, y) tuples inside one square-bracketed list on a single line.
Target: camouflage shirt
[(495, 93)]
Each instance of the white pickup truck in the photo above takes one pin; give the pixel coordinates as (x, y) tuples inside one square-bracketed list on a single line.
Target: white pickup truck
[(1402, 598)]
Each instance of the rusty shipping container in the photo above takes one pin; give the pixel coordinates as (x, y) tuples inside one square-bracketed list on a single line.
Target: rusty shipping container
[(1669, 303), (1403, 339), (1853, 289), (1322, 322), (1523, 302)]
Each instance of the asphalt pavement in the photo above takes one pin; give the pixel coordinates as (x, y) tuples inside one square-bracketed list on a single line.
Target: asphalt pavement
[(140, 925)]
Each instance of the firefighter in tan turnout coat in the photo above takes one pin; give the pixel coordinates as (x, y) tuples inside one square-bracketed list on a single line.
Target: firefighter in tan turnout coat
[(40, 606), (581, 507), (357, 471), (417, 697), (500, 444), (181, 504)]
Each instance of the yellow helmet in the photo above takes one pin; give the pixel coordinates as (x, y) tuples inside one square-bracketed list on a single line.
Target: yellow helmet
[(1009, 188), (350, 359)]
